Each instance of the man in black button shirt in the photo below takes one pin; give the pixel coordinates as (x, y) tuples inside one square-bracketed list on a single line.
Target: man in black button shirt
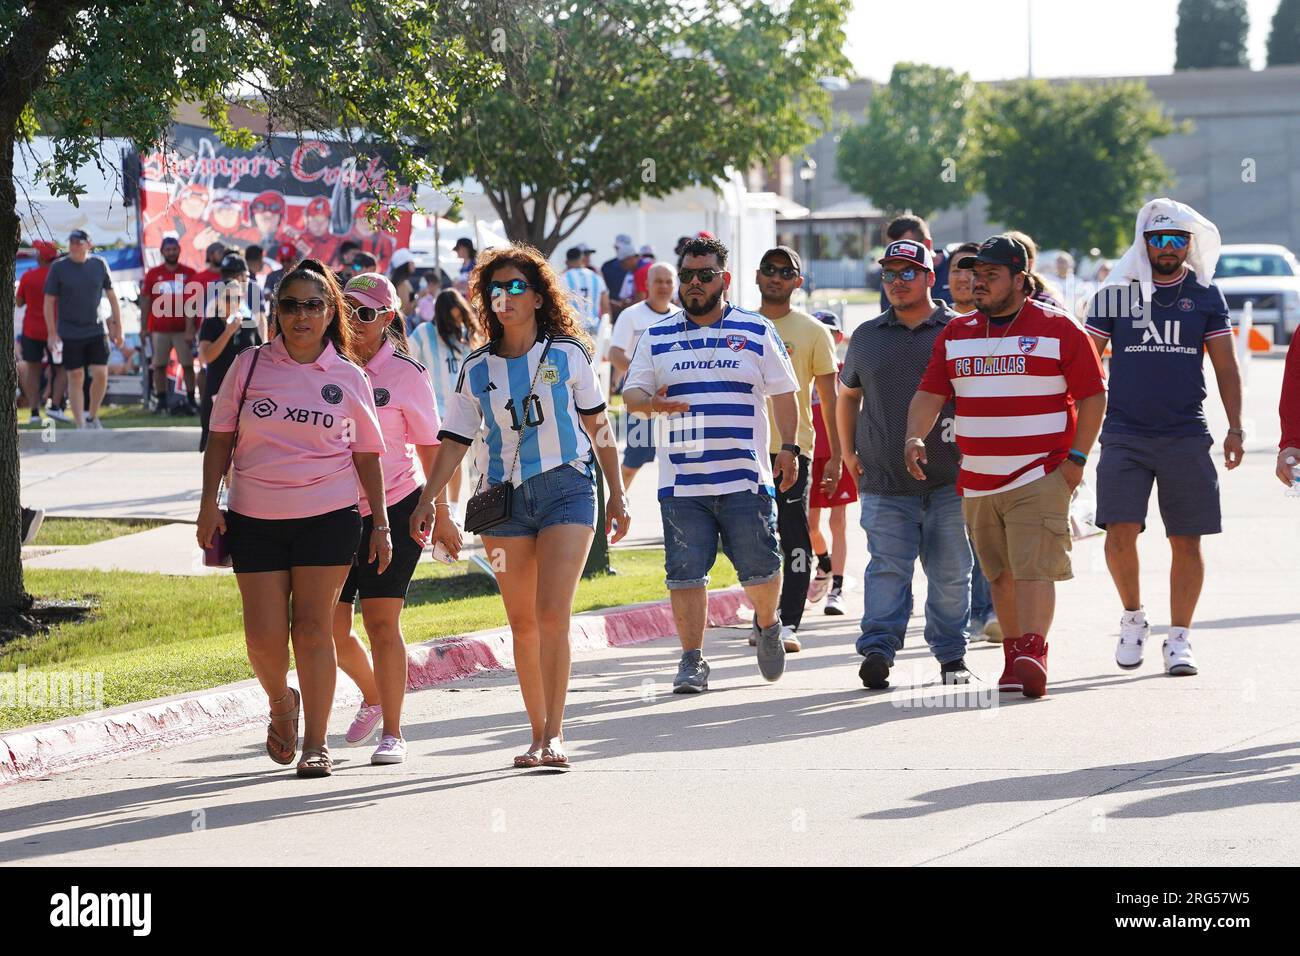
[(904, 518)]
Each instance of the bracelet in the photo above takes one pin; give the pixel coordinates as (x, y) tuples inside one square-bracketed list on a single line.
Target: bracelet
[(442, 504), (1241, 432), (382, 527), (1075, 451)]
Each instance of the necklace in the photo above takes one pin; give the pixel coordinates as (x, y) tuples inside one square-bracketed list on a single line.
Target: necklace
[(1177, 291), (988, 353), (695, 343)]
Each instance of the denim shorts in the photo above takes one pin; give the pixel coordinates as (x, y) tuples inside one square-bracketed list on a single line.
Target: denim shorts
[(1181, 468), (562, 495), (744, 521)]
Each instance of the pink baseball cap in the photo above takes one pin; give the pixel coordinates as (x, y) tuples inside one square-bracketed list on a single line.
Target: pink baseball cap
[(372, 289)]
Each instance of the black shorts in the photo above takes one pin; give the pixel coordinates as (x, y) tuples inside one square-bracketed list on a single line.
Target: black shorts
[(35, 350), (278, 544), (78, 353), (363, 580)]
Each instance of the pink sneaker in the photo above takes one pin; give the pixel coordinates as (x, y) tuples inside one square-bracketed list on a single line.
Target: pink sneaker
[(364, 724)]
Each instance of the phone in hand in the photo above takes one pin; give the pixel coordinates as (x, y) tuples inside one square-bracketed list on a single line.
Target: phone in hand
[(440, 554)]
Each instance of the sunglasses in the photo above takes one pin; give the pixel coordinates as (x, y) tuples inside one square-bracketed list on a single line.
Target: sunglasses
[(366, 314), (1167, 240), (889, 275), (290, 306), (687, 276), (265, 207), (513, 287), (786, 272)]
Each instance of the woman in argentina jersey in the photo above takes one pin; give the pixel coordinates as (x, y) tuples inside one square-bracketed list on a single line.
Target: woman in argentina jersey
[(532, 396)]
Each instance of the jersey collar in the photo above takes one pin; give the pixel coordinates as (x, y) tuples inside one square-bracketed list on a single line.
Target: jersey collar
[(323, 361)]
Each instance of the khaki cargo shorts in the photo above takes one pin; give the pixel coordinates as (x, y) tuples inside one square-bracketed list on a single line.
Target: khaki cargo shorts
[(1025, 530)]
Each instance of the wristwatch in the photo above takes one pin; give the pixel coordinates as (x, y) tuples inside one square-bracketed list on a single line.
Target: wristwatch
[(792, 449)]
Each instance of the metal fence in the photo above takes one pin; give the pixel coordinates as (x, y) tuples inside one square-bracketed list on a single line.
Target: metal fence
[(836, 273)]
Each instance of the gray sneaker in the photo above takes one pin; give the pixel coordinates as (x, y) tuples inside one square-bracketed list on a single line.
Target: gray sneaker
[(692, 674), (771, 651)]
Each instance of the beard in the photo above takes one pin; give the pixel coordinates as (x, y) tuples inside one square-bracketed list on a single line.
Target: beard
[(775, 299), (704, 307), (1165, 268), (989, 306)]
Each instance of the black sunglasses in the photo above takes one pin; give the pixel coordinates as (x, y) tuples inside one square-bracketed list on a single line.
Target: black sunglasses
[(889, 275), (687, 276), (786, 272), (291, 306)]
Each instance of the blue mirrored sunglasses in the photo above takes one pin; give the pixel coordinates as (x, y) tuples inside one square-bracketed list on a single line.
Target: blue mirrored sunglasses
[(889, 275), (513, 287), (1167, 240)]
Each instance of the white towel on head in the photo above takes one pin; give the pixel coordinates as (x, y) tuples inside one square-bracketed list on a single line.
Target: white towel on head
[(1202, 256)]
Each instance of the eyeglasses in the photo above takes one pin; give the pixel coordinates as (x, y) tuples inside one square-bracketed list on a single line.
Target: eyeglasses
[(889, 275), (290, 306), (366, 314), (513, 287), (786, 272), (687, 276), (1167, 240)]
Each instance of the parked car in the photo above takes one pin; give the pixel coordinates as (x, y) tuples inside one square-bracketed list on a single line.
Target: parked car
[(1267, 276)]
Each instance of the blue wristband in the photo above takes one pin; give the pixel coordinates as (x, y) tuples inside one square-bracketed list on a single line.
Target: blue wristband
[(1075, 451)]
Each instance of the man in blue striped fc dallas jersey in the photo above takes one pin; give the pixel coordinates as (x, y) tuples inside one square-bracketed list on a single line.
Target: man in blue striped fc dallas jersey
[(566, 387), (712, 369)]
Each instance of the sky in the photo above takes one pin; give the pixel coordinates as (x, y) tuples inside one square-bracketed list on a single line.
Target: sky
[(989, 40)]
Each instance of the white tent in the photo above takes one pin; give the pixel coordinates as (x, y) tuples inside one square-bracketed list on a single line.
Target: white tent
[(100, 212)]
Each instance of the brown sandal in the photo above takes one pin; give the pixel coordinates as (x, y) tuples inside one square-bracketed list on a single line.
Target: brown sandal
[(274, 738), (315, 762)]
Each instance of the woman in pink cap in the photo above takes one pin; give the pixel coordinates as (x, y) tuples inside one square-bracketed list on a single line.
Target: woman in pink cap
[(408, 416), (307, 431), (532, 394)]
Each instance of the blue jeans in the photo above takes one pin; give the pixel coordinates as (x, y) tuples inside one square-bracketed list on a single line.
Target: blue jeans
[(901, 528), (981, 595)]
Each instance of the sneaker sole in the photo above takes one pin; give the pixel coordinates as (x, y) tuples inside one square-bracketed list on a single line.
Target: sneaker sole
[(1010, 688), (363, 740), (1033, 676), (384, 761), (1182, 670), (834, 611), (1127, 667), (792, 647), (689, 689)]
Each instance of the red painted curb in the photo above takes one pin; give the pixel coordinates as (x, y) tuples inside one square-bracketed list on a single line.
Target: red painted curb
[(83, 742)]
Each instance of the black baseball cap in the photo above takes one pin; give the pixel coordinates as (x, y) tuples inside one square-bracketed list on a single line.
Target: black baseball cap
[(788, 253), (169, 241), (829, 319), (574, 252), (999, 251), (79, 234), (233, 264)]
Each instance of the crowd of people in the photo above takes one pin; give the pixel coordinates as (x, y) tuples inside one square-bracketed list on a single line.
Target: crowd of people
[(341, 415)]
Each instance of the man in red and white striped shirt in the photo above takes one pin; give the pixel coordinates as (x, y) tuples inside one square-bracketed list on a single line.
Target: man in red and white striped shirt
[(1030, 399)]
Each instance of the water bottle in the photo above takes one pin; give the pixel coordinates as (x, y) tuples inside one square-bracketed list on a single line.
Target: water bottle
[(1294, 490)]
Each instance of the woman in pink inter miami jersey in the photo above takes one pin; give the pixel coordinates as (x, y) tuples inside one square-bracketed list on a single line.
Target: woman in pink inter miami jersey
[(408, 416), (307, 430)]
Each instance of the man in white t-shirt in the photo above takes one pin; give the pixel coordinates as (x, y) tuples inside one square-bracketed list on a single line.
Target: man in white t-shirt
[(632, 322)]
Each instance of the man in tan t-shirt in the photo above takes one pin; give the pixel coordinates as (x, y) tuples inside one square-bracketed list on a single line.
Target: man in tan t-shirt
[(812, 353)]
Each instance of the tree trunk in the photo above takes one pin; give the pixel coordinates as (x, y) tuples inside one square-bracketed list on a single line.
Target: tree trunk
[(12, 592)]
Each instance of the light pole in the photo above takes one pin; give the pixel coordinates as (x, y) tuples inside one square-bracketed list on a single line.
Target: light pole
[(808, 172)]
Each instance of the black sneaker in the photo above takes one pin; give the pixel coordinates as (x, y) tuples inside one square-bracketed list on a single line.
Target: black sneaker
[(875, 672), (955, 672), (32, 518)]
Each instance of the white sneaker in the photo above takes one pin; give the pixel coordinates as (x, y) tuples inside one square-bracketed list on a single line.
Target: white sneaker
[(790, 639), (818, 587), (834, 603), (390, 750), (992, 630), (1133, 633), (1178, 655)]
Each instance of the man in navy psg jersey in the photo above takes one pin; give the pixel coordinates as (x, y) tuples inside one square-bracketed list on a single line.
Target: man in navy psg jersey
[(1155, 429)]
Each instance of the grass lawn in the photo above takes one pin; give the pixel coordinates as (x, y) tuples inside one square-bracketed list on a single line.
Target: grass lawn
[(128, 416), (154, 636), (70, 531)]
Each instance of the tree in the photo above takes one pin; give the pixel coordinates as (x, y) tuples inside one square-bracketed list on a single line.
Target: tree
[(622, 99), (1284, 34), (1211, 33), (388, 72), (1070, 164), (912, 150)]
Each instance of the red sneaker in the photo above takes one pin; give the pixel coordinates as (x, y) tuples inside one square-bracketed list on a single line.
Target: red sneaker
[(1030, 664), (1009, 681)]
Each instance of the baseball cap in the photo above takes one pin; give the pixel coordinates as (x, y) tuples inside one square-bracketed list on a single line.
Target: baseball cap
[(45, 251), (400, 258), (788, 253), (648, 250), (998, 251), (573, 252), (914, 252), (233, 264), (829, 319), (623, 248), (372, 289), (268, 200), (318, 206), (584, 248), (285, 251), (79, 234), (169, 241), (705, 234)]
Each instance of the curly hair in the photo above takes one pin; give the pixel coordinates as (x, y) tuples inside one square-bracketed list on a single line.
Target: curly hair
[(340, 329), (557, 315)]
